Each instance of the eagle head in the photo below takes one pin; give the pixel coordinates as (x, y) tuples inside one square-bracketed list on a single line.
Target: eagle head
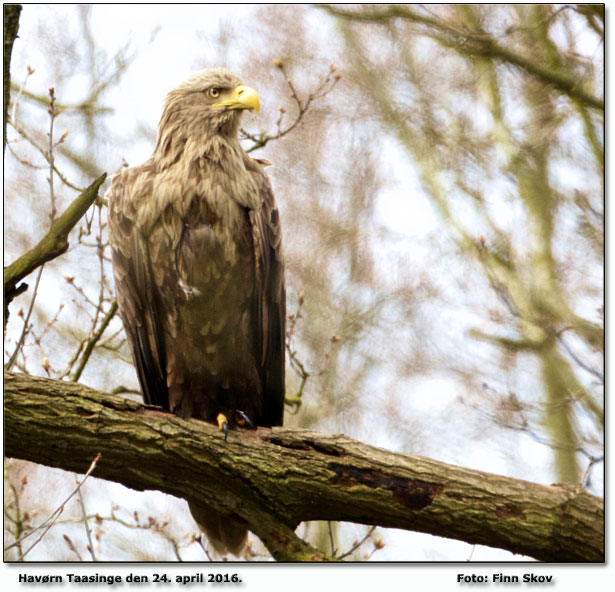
[(208, 102)]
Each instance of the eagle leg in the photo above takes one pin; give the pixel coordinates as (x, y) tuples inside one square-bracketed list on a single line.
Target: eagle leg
[(223, 424), (243, 419)]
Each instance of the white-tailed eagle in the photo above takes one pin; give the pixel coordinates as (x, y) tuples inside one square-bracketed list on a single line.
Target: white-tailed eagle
[(196, 243)]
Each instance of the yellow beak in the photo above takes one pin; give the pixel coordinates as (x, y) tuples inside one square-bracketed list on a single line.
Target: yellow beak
[(242, 97)]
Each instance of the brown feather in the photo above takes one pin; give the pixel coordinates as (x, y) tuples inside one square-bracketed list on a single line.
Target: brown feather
[(196, 244)]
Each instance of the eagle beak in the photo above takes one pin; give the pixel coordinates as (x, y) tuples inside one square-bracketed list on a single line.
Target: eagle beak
[(242, 97)]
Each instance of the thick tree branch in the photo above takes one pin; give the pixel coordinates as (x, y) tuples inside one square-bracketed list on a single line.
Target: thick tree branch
[(52, 245), (274, 479)]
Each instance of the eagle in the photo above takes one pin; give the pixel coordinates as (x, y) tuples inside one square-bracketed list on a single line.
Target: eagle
[(196, 247)]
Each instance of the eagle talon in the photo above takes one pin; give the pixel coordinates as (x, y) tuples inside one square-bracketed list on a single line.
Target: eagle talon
[(243, 419), (223, 424)]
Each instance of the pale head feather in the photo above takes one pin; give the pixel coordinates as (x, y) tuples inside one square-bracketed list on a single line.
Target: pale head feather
[(189, 114), (198, 152)]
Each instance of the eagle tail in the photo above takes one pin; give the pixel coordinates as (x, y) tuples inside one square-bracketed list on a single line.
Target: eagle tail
[(227, 534)]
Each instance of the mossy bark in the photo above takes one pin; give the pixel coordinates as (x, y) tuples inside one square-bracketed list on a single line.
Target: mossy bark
[(11, 26), (276, 478)]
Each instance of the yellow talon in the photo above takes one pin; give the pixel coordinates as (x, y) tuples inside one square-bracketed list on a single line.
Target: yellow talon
[(222, 424)]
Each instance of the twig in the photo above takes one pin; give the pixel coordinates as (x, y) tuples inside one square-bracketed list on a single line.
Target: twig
[(18, 518), (590, 464), (26, 322), (523, 427), (599, 375), (357, 544), (124, 389), (25, 135), (99, 250), (22, 160), (45, 526), (71, 546), (71, 280), (333, 549), (295, 363), (38, 338), (22, 88), (199, 540), (106, 343), (326, 86), (92, 342), (50, 158), (88, 105), (53, 244), (152, 525), (87, 526), (73, 359)]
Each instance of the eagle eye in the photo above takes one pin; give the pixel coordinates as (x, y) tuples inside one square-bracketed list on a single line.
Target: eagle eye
[(214, 93)]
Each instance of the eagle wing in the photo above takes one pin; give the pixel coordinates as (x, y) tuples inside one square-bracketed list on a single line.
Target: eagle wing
[(137, 297), (269, 303), (143, 312)]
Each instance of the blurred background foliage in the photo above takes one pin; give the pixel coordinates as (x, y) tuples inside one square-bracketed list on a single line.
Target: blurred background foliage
[(441, 188)]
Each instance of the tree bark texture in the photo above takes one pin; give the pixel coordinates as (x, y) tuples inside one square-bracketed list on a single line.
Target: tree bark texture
[(11, 26), (276, 478)]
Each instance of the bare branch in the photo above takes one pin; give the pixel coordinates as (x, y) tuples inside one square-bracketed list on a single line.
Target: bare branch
[(52, 245), (357, 544), (86, 525), (89, 105), (47, 524), (53, 113), (324, 87), (466, 43), (26, 322), (89, 347)]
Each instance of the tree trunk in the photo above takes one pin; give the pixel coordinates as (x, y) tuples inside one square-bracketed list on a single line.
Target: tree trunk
[(11, 26), (276, 478)]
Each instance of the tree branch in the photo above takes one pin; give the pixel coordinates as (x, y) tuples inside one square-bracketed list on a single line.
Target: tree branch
[(52, 245), (275, 478), (91, 343), (467, 43), (87, 106), (11, 27)]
